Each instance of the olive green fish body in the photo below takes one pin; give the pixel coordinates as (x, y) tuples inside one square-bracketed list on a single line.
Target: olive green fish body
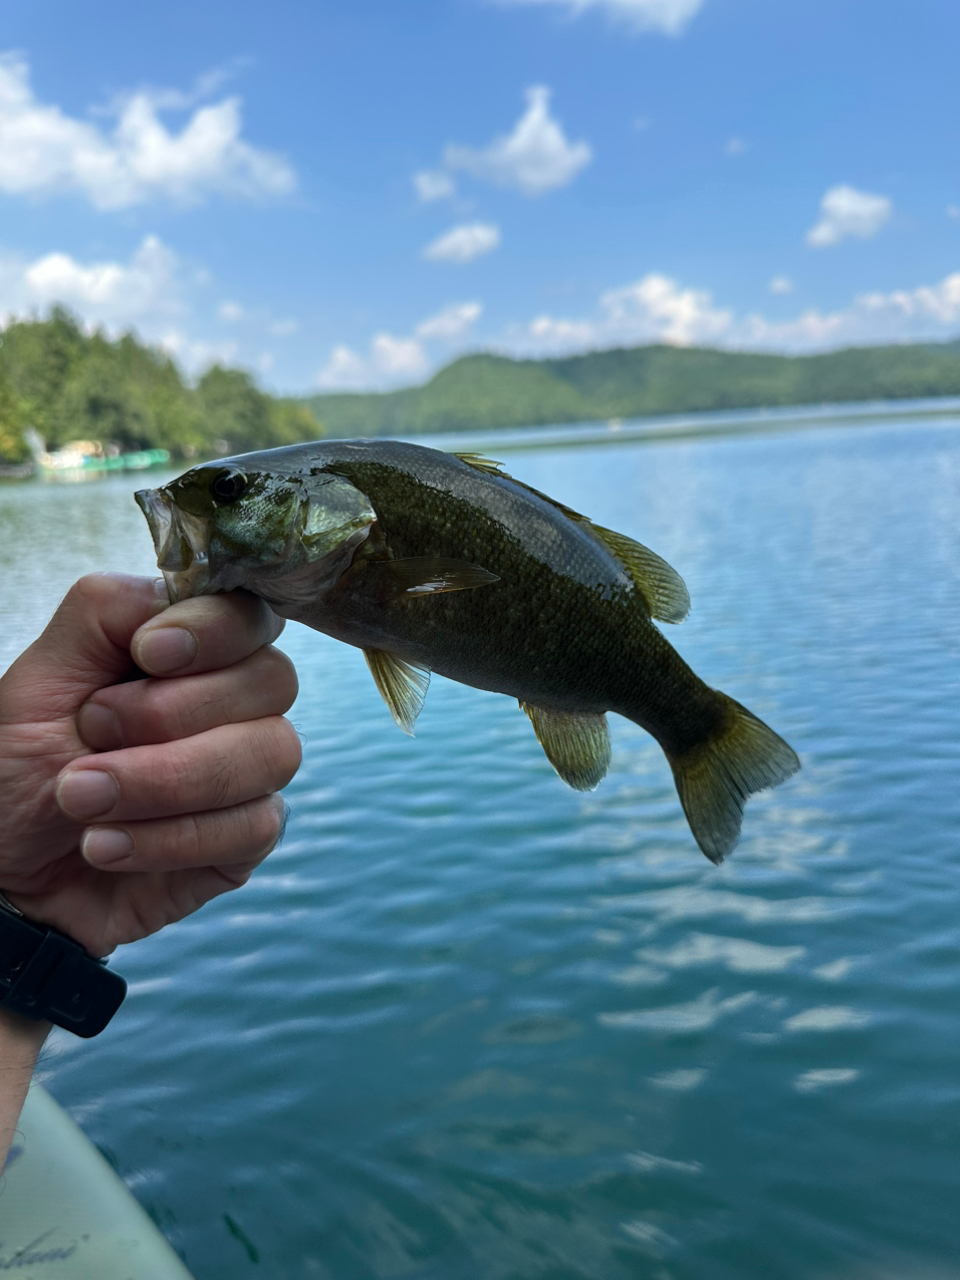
[(456, 568), (564, 627)]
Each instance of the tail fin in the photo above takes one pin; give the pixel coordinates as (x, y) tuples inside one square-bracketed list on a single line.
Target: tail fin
[(715, 778)]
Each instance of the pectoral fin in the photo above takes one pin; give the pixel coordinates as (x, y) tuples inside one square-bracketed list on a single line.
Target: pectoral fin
[(577, 744), (402, 686), (427, 575)]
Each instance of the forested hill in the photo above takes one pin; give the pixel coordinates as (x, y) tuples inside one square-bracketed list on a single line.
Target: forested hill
[(488, 391), (69, 384)]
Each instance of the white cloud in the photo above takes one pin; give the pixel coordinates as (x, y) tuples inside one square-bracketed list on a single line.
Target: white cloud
[(463, 243), (953, 211), (846, 212), (44, 151), (433, 184), (344, 369), (231, 312), (114, 294), (284, 328), (151, 292), (667, 16), (781, 284), (398, 357), (451, 322), (390, 360), (939, 302), (536, 157), (734, 147), (167, 99), (902, 315), (196, 354), (658, 309), (652, 309), (557, 334)]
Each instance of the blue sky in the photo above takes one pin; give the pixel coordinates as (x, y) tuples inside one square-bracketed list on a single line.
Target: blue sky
[(348, 193)]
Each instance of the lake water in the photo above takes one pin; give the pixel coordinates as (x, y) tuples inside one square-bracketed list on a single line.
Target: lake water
[(467, 1024)]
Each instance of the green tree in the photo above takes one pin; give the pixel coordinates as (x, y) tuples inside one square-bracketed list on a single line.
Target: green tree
[(12, 446), (38, 358), (236, 416), (291, 422)]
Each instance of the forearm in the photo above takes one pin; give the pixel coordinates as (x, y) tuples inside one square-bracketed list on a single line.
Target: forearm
[(20, 1043)]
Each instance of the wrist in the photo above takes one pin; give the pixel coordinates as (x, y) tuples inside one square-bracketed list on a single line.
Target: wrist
[(20, 1043), (21, 1040), (46, 976)]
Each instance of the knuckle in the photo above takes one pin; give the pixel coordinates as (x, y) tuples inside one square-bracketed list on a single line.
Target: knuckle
[(157, 712), (281, 673), (266, 822), (178, 780), (288, 750), (225, 782), (191, 841)]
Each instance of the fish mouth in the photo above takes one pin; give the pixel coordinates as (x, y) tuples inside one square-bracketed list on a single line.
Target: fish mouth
[(181, 541)]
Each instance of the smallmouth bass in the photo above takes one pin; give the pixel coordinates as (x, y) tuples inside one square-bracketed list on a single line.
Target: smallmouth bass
[(431, 561)]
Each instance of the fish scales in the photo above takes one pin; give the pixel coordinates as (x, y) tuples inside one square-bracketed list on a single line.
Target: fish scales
[(432, 561), (569, 633)]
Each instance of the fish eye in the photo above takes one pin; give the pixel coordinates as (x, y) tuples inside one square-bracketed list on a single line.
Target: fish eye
[(228, 485)]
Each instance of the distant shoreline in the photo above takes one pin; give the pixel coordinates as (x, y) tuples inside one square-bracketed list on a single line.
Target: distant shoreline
[(702, 426), (494, 392)]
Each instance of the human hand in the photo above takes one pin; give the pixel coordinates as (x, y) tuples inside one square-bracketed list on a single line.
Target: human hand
[(185, 764)]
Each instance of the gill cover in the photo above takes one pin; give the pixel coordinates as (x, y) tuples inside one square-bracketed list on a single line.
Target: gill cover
[(216, 528)]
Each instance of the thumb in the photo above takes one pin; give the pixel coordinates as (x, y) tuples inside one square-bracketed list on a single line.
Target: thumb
[(85, 646)]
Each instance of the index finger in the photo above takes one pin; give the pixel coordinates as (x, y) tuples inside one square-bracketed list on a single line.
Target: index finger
[(204, 633)]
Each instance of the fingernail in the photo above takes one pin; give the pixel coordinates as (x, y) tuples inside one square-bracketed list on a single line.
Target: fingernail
[(87, 793), (103, 845), (166, 649), (99, 727)]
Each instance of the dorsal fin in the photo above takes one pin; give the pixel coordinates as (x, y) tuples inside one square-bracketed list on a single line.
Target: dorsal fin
[(660, 585), (480, 463), (662, 588)]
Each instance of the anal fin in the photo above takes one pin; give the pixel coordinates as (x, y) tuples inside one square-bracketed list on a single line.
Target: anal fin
[(577, 744), (403, 687)]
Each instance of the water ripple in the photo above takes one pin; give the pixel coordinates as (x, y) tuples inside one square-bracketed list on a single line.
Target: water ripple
[(467, 1024)]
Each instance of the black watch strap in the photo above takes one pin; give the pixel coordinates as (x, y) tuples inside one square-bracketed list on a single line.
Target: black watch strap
[(46, 975)]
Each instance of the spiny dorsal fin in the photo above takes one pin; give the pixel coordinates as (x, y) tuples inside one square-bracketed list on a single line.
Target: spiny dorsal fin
[(403, 687), (660, 585), (577, 744), (428, 575), (480, 463)]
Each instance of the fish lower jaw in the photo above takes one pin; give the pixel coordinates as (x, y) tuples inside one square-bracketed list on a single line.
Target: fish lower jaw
[(182, 584)]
